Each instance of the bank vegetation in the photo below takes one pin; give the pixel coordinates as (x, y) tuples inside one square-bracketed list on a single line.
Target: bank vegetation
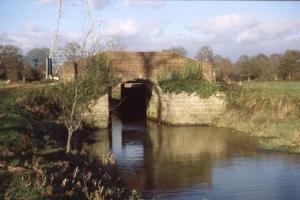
[(269, 111), (39, 158)]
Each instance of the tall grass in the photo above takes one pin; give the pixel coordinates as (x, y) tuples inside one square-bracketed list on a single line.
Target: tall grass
[(266, 112)]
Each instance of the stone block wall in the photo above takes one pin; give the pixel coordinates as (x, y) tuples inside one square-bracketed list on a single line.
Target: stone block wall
[(185, 109), (167, 108), (99, 115)]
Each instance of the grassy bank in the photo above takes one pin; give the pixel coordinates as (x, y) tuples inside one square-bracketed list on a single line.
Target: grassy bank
[(33, 164), (269, 111)]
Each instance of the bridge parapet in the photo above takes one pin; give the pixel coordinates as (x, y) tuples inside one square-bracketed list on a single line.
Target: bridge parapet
[(140, 65)]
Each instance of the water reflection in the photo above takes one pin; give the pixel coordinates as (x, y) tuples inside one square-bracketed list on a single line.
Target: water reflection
[(189, 162)]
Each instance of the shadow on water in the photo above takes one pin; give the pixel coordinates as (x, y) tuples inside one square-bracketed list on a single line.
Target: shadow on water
[(194, 162)]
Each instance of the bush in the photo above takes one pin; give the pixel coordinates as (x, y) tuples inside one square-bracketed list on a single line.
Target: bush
[(23, 187), (40, 103), (190, 81)]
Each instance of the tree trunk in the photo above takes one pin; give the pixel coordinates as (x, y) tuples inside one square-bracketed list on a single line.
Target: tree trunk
[(290, 76), (275, 77), (248, 78), (68, 146)]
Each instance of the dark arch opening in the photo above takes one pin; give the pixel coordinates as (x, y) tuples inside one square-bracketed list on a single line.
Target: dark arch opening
[(135, 96)]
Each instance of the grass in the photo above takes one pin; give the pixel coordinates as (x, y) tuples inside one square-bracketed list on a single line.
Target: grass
[(32, 140), (267, 110), (278, 87)]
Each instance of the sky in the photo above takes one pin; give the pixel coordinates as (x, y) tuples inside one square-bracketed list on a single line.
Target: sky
[(230, 28)]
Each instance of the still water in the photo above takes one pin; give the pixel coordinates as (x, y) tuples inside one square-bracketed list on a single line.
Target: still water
[(197, 163)]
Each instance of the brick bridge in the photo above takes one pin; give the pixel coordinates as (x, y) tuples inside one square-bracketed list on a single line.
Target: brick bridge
[(139, 96), (141, 65)]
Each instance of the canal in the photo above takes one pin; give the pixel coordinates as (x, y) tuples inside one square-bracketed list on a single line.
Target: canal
[(192, 162)]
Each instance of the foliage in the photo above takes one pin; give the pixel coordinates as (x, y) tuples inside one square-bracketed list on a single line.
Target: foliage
[(11, 62), (37, 57), (225, 69), (265, 110), (189, 81), (27, 116), (15, 142), (72, 51), (70, 177), (205, 54), (37, 174), (75, 97), (23, 188), (179, 50), (290, 64), (32, 74), (115, 43)]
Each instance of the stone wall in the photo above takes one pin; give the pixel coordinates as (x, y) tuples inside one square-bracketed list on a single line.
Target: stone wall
[(185, 109), (167, 108), (99, 115)]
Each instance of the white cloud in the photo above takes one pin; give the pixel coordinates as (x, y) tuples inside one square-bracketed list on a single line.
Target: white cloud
[(99, 4), (45, 2), (96, 4), (5, 38), (229, 35), (241, 28), (144, 3), (29, 37), (132, 27), (126, 27), (236, 34), (224, 23)]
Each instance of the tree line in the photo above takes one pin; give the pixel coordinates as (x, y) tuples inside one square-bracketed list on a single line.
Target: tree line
[(284, 66), (16, 66)]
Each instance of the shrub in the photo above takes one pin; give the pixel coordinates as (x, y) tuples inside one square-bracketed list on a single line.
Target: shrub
[(190, 81), (23, 187)]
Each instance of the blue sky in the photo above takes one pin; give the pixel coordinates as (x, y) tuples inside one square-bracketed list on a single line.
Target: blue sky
[(231, 28)]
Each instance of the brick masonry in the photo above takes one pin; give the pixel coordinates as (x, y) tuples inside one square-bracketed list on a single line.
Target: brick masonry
[(139, 65)]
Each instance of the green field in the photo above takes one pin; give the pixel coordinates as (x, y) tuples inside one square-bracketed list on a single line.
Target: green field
[(280, 87)]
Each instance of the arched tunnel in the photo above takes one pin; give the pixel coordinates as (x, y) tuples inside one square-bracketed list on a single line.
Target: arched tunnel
[(133, 100)]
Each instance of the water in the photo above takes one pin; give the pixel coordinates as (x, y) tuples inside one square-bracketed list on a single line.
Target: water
[(197, 163)]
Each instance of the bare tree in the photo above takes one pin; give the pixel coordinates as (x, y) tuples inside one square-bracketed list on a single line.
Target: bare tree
[(71, 51), (224, 68), (289, 63), (179, 50), (11, 62), (37, 57), (114, 43), (205, 54), (244, 65), (275, 66), (76, 96), (260, 66)]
